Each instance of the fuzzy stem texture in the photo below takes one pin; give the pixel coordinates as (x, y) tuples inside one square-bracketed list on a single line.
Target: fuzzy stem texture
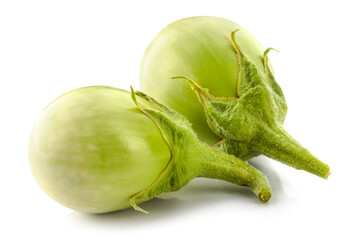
[(219, 165), (191, 158), (278, 144)]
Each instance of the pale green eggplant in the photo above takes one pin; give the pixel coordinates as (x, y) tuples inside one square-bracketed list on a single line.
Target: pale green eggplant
[(240, 106), (101, 149)]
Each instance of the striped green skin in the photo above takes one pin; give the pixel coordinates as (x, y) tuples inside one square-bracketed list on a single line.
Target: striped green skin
[(199, 48), (92, 149)]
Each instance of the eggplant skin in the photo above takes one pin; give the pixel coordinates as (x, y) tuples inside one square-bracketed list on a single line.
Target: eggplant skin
[(201, 49), (91, 149)]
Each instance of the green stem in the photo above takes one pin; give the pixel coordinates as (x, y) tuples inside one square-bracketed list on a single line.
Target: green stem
[(278, 144), (191, 158), (219, 165)]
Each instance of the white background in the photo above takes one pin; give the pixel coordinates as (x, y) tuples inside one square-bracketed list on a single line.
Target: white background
[(50, 47)]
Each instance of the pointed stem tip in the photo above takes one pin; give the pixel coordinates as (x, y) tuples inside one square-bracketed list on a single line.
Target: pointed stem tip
[(279, 145), (136, 207)]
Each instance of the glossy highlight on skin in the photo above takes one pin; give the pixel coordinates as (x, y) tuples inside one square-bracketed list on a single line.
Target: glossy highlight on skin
[(240, 108), (92, 149), (201, 49), (101, 149)]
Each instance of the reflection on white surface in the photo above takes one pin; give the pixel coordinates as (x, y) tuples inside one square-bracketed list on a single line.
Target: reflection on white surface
[(199, 195), (51, 47)]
